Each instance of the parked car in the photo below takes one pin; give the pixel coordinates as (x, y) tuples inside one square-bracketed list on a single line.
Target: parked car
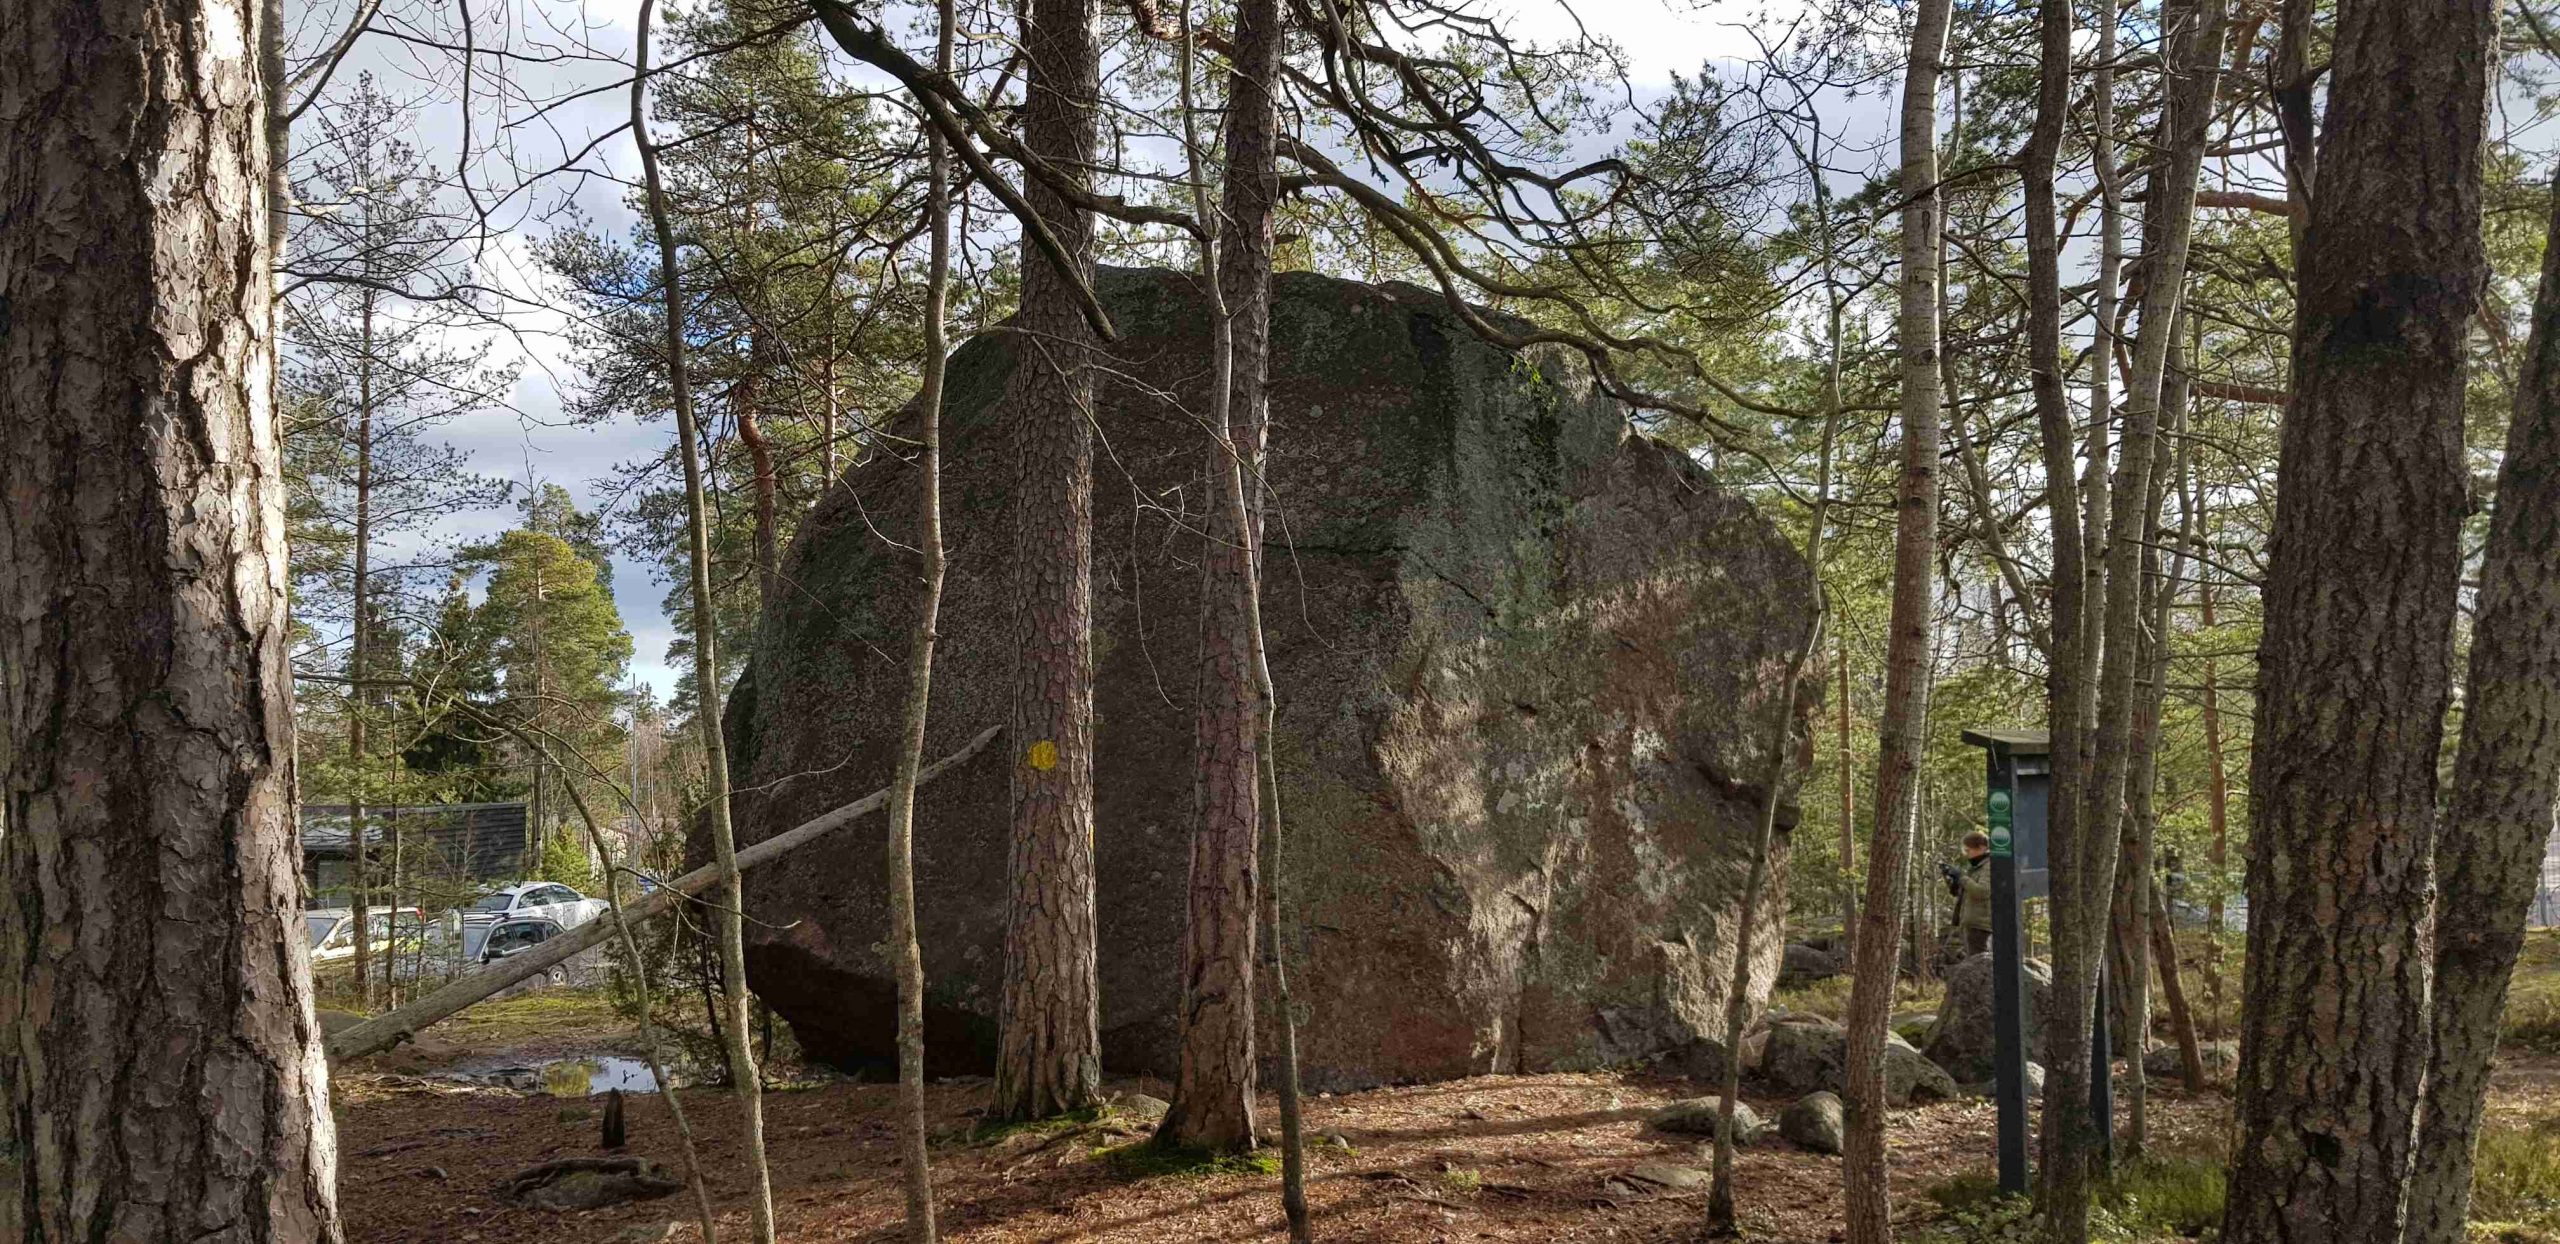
[(509, 938), (333, 931), (535, 900)]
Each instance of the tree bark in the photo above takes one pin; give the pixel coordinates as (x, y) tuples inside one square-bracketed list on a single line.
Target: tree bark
[(359, 646), (913, 1157), (2068, 685), (2130, 956), (2506, 782), (2357, 642), (1903, 734), (2217, 813), (1848, 808), (2182, 1023), (1048, 1059), (2084, 863), (728, 916), (160, 1071), (1214, 1082)]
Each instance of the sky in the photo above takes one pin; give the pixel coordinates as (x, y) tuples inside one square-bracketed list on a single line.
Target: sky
[(529, 440)]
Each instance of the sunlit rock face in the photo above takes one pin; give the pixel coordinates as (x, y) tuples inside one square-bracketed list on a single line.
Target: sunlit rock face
[(1528, 664)]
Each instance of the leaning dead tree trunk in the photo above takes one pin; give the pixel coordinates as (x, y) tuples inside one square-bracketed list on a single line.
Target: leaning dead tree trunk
[(2182, 1024), (1903, 734), (393, 1027), (903, 948), (2355, 655), (2506, 782), (160, 1077)]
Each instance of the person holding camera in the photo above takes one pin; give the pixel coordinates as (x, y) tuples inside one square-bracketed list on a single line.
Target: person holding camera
[(1970, 887)]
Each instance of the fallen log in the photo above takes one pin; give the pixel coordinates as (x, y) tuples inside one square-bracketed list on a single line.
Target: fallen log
[(393, 1027)]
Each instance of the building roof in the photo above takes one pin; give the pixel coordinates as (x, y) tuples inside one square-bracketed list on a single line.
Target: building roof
[(476, 841), (2016, 742)]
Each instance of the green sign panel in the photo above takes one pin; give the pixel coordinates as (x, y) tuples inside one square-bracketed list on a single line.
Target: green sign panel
[(1997, 806)]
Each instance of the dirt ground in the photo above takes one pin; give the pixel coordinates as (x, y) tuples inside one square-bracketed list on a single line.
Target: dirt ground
[(1508, 1158)]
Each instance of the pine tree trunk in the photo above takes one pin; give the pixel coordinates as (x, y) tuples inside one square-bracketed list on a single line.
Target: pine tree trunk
[(1848, 807), (160, 1072), (2217, 814), (359, 649), (728, 914), (1903, 734), (2506, 781), (1213, 1099), (1049, 1058), (2357, 642)]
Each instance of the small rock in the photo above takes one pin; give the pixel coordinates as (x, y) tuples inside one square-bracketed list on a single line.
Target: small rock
[(1816, 1121), (1801, 965), (2220, 1059), (1141, 1105), (432, 1172), (1336, 1140), (1702, 1058), (1990, 1088), (1665, 1176), (1697, 1116)]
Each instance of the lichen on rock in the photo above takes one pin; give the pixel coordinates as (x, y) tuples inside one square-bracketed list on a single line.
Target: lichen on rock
[(1528, 662)]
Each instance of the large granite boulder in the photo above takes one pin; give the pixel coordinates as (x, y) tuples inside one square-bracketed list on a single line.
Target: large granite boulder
[(1962, 1040), (1528, 663)]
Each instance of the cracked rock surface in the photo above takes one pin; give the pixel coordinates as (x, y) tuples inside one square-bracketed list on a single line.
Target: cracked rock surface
[(1527, 661)]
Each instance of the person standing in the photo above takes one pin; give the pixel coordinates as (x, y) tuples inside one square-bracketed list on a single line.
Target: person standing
[(1970, 886)]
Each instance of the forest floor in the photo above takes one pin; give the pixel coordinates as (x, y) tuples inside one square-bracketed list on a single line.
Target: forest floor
[(1505, 1158)]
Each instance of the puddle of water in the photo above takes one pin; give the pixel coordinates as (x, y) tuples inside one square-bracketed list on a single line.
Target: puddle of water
[(568, 1077)]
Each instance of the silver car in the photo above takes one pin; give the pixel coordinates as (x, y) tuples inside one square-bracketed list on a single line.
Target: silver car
[(535, 900)]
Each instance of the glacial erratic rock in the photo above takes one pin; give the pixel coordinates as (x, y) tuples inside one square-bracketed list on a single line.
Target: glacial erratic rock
[(1698, 1116), (1802, 965), (1962, 1039), (2220, 1059), (1528, 663), (1816, 1121), (1812, 1054)]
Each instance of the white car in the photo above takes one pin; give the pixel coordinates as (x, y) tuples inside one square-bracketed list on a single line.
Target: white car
[(535, 900), (333, 931)]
